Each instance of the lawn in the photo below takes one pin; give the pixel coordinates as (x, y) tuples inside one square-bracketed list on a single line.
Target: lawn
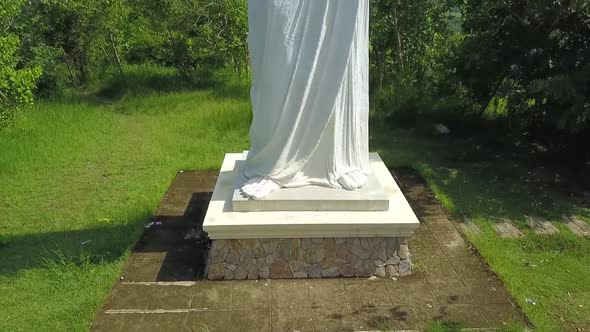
[(484, 179), (80, 176)]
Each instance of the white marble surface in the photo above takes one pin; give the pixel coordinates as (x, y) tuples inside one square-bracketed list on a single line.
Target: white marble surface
[(221, 222), (371, 197)]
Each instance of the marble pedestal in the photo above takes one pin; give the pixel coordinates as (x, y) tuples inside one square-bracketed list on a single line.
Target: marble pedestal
[(319, 242)]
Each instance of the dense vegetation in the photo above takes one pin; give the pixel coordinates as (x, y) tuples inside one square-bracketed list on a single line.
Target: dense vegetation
[(525, 65), (125, 97)]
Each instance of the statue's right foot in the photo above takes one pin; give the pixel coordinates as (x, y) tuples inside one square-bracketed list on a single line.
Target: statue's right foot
[(353, 180), (259, 187)]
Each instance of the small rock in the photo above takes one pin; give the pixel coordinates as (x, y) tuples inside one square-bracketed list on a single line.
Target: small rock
[(391, 271), (315, 271), (441, 129), (229, 274), (373, 278), (331, 272), (315, 254), (381, 253), (404, 251), (346, 270), (240, 273), (394, 278), (405, 268), (355, 248), (297, 266), (363, 268), (251, 267), (393, 261), (300, 275), (264, 272), (232, 257), (219, 254), (280, 270), (380, 272)]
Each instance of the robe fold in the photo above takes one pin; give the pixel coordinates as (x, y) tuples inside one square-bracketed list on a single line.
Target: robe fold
[(310, 90)]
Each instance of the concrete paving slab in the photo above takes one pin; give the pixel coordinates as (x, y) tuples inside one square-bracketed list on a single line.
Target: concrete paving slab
[(207, 321), (444, 271), (250, 320), (507, 230), (335, 318), (450, 291), (289, 294), (247, 295), (410, 292), (327, 293), (211, 296), (366, 293), (292, 320), (165, 321), (486, 290)]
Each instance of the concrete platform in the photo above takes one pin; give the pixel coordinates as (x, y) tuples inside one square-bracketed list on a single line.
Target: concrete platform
[(371, 197), (222, 222)]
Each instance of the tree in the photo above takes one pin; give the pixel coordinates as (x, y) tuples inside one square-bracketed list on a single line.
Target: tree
[(70, 26), (535, 55), (16, 84), (407, 37)]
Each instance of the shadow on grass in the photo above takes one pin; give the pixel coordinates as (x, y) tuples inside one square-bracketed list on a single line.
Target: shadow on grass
[(74, 247), (473, 178), (174, 248), (146, 80)]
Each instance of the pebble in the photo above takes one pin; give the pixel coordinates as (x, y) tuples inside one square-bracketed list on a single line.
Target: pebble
[(380, 272)]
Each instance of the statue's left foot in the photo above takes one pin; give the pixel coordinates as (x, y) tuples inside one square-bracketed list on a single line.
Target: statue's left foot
[(259, 187), (353, 180)]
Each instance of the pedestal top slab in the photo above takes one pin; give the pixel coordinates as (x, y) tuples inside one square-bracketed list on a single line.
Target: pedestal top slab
[(371, 197), (222, 222)]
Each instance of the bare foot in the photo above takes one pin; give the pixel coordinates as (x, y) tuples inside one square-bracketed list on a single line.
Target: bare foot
[(259, 187), (353, 180)]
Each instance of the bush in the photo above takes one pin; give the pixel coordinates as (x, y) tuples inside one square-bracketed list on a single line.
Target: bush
[(16, 85)]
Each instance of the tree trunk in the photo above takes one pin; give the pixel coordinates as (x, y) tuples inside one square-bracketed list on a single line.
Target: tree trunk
[(116, 53), (380, 69), (398, 35), (182, 65), (106, 54), (72, 77)]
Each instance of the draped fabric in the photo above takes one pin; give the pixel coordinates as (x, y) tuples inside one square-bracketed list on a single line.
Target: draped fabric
[(309, 93)]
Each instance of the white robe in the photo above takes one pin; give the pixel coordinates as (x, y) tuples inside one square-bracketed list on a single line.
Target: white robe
[(310, 98)]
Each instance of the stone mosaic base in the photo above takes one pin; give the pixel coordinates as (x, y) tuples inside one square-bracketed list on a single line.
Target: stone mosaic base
[(308, 258)]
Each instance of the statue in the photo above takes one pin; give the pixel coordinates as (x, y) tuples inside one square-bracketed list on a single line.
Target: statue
[(310, 99)]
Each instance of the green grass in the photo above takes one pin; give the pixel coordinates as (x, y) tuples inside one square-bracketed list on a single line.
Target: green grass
[(486, 182), (80, 176)]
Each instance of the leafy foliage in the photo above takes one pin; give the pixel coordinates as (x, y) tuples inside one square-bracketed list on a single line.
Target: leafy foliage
[(16, 84), (535, 54)]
